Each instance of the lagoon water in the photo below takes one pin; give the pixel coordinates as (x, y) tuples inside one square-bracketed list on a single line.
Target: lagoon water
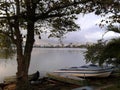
[(45, 60)]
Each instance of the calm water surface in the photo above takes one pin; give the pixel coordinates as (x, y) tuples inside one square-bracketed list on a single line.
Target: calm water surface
[(45, 60)]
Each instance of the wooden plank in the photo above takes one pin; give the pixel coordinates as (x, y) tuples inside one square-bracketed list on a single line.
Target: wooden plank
[(66, 78)]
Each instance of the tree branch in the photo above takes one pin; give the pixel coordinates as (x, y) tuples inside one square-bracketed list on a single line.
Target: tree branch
[(57, 8)]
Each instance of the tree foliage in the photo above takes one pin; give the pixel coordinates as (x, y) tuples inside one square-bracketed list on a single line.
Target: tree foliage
[(105, 51), (94, 52), (57, 15), (6, 48), (5, 42), (112, 52)]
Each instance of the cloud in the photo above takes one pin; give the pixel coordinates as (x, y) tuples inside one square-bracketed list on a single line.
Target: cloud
[(110, 35), (88, 20), (90, 34)]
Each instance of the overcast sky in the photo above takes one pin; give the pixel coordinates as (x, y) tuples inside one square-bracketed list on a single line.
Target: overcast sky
[(89, 32)]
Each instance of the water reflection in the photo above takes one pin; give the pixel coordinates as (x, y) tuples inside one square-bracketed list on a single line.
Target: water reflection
[(45, 60), (7, 68)]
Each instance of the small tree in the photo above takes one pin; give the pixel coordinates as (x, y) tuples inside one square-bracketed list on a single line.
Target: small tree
[(105, 52), (112, 52), (94, 52)]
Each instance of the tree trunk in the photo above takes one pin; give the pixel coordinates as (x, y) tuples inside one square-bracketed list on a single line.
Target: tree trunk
[(24, 55), (23, 60), (23, 66)]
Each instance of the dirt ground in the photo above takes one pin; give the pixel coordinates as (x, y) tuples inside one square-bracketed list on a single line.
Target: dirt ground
[(49, 85)]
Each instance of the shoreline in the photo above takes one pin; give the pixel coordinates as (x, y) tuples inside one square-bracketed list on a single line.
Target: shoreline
[(51, 84)]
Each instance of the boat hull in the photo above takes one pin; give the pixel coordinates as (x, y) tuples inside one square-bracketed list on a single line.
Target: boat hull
[(102, 74), (82, 71)]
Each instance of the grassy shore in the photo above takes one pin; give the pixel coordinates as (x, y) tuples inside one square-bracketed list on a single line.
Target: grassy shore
[(110, 83)]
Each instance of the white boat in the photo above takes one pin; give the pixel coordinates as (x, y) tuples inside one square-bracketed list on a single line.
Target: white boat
[(87, 71)]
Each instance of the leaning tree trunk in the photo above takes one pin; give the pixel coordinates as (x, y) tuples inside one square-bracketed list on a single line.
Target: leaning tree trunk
[(22, 60)]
